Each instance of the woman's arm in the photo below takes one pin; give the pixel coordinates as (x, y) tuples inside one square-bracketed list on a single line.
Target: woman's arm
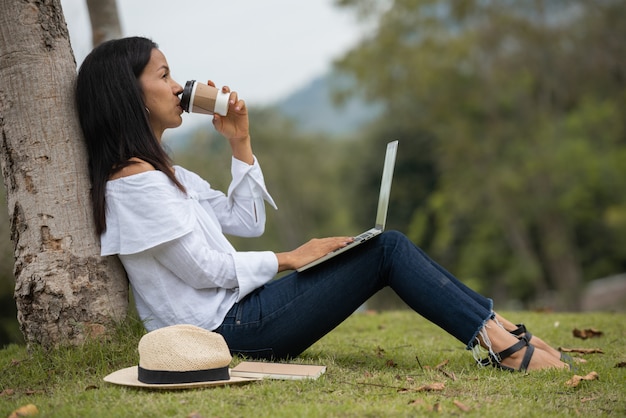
[(201, 267), (235, 127)]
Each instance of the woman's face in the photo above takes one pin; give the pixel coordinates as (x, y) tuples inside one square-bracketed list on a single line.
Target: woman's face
[(160, 94)]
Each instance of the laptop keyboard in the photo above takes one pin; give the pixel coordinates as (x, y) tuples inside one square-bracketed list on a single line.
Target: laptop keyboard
[(359, 238), (362, 237)]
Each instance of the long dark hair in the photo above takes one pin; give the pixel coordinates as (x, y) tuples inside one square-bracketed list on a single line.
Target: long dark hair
[(113, 117)]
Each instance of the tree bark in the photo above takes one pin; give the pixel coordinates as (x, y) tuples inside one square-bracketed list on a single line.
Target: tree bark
[(65, 292), (105, 22)]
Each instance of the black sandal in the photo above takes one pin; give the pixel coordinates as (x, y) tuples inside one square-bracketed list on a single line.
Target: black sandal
[(521, 329), (496, 360)]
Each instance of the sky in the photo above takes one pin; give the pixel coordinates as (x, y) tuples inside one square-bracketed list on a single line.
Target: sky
[(265, 50)]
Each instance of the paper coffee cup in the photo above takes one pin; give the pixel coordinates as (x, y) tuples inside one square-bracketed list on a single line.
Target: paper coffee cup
[(202, 98)]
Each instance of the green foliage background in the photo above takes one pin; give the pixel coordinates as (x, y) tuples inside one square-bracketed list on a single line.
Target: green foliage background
[(512, 164), (521, 105)]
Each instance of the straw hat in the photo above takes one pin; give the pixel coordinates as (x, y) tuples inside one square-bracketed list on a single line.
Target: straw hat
[(179, 357)]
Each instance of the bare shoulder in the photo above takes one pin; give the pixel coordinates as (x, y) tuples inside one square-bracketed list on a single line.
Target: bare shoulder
[(137, 166)]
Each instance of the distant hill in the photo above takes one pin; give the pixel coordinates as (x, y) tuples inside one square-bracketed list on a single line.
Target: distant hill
[(313, 110)]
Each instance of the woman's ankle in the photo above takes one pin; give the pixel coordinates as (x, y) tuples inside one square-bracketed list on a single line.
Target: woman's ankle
[(495, 338), (504, 323)]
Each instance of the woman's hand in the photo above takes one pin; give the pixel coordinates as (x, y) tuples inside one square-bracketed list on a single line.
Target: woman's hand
[(310, 251), (235, 126)]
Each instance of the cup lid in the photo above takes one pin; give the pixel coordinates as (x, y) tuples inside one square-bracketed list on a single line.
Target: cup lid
[(186, 96)]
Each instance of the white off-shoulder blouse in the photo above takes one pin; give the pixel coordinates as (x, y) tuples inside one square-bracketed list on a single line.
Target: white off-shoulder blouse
[(181, 267)]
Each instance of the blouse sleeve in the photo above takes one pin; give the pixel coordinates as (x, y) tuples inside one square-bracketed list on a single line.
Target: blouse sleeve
[(143, 211), (242, 211), (201, 267)]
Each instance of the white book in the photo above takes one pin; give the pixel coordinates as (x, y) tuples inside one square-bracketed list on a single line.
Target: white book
[(285, 371)]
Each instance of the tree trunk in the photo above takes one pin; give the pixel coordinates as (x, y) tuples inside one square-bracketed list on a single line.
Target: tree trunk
[(105, 22), (64, 290), (561, 262)]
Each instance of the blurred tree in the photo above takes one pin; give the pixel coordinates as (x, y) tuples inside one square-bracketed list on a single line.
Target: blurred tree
[(64, 290), (525, 100), (105, 21), (9, 327)]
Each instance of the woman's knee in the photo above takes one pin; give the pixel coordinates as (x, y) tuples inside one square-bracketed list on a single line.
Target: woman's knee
[(394, 238), (399, 245)]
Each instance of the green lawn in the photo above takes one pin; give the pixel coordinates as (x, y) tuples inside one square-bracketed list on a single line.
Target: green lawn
[(377, 366)]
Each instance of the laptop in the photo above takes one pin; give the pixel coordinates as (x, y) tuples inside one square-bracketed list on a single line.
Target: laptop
[(381, 213)]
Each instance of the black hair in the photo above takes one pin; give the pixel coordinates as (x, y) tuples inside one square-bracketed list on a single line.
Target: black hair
[(113, 117)]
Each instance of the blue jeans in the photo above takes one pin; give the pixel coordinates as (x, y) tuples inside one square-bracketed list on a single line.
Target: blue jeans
[(287, 315)]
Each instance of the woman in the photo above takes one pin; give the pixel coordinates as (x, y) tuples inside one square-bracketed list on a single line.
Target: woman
[(167, 226)]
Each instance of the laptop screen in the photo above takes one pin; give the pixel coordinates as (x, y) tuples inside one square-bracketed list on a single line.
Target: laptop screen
[(385, 185)]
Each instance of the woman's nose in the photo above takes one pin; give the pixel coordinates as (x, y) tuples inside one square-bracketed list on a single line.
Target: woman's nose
[(178, 89)]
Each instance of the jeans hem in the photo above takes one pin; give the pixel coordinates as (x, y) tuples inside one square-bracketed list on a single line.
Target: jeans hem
[(474, 340)]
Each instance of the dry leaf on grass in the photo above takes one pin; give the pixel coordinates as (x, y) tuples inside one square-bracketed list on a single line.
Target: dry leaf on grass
[(448, 374), (462, 406), (581, 350), (431, 387), (439, 367), (29, 410), (576, 379), (586, 333), (425, 388), (31, 392), (391, 363), (593, 398), (443, 363)]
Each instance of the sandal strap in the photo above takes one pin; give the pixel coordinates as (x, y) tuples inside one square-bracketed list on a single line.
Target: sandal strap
[(523, 342), (530, 350), (496, 358), (513, 349), (521, 329), (527, 336)]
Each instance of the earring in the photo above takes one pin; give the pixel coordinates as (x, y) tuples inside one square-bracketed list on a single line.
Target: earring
[(147, 110)]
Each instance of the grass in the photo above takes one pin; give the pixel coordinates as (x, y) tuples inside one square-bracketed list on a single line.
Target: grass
[(375, 365)]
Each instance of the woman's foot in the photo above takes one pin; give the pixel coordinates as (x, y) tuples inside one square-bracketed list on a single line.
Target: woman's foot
[(511, 353), (539, 360), (536, 341)]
